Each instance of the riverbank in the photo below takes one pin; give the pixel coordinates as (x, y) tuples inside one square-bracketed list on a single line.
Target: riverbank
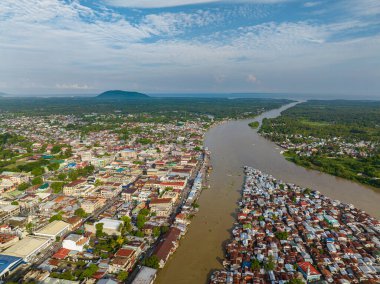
[(340, 138), (232, 145)]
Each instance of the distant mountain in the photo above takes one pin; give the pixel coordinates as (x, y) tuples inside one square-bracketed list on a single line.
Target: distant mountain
[(2, 94), (117, 94)]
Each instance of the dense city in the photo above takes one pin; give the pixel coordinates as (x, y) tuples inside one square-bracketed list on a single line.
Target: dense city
[(289, 234), (86, 202)]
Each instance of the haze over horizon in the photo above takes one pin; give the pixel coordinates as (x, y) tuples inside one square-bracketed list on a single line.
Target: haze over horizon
[(191, 46)]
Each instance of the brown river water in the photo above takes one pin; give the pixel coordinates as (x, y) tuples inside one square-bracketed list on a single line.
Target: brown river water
[(233, 145)]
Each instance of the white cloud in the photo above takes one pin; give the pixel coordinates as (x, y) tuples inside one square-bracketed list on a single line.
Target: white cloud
[(174, 3), (74, 86), (252, 78), (363, 7), (45, 41), (312, 4)]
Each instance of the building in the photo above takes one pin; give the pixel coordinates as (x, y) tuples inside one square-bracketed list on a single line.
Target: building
[(110, 226), (127, 194), (91, 204), (308, 271), (78, 188), (161, 206), (124, 259), (167, 246), (7, 211), (27, 248), (8, 264), (53, 230), (128, 153), (146, 275), (7, 239), (75, 242)]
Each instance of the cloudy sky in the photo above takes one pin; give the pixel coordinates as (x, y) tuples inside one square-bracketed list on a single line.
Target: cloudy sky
[(190, 46)]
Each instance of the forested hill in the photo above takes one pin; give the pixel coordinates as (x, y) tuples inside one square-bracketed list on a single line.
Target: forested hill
[(117, 94)]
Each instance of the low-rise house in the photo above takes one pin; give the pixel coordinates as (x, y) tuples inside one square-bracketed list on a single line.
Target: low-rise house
[(91, 204), (161, 206), (75, 242), (168, 246), (124, 259)]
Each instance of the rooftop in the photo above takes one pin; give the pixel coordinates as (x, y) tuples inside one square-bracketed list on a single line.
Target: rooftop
[(145, 276), (53, 228), (25, 247)]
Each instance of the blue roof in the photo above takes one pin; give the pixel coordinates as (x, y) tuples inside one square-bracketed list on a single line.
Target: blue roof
[(246, 264), (8, 262)]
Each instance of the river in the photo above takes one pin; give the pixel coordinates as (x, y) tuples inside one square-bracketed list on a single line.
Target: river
[(233, 145)]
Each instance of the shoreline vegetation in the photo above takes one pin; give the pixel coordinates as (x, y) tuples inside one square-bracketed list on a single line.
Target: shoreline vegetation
[(254, 124), (340, 138)]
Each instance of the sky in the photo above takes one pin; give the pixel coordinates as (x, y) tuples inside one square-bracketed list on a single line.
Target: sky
[(190, 46)]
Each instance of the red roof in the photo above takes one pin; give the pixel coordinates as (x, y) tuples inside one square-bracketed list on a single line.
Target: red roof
[(124, 252), (160, 200), (61, 253), (76, 182), (99, 274), (308, 267), (173, 183), (167, 245)]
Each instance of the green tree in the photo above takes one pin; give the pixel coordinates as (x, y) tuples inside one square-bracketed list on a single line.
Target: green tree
[(307, 191), (53, 166), (195, 205), (56, 149), (255, 265), (98, 182), (56, 217), (126, 223), (62, 176), (23, 186), (140, 221), (14, 203), (156, 231), (37, 181), (73, 175), (164, 229), (282, 235), (295, 281), (269, 264), (80, 213), (254, 124), (122, 276), (29, 228), (144, 212), (99, 229), (152, 262), (38, 171), (56, 187), (90, 271)]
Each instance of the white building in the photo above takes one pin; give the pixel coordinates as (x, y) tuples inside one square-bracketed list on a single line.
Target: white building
[(75, 242), (110, 226)]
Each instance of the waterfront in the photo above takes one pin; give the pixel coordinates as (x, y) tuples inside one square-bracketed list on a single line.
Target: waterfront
[(233, 145)]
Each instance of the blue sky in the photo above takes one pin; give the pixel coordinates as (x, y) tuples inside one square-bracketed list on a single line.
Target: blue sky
[(190, 46)]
